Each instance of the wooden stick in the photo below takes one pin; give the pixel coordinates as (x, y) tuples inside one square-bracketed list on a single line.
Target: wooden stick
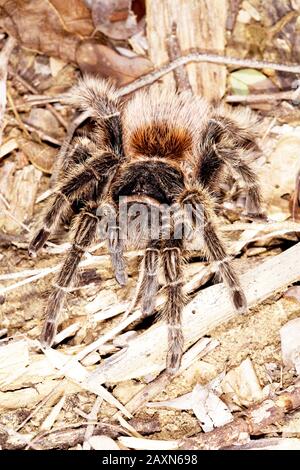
[(4, 58), (146, 354), (203, 57), (288, 95), (174, 51)]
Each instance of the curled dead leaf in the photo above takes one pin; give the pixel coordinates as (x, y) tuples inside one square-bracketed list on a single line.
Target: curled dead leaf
[(40, 155), (96, 58), (54, 28)]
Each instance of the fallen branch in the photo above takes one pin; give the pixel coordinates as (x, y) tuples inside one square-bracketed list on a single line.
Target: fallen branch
[(146, 354), (271, 443), (4, 58)]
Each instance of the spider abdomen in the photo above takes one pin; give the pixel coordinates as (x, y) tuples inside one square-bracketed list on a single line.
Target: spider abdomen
[(159, 139)]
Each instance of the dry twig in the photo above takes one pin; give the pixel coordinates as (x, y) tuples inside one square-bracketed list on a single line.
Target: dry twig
[(203, 57)]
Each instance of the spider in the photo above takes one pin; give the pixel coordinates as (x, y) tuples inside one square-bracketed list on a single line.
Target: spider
[(159, 149)]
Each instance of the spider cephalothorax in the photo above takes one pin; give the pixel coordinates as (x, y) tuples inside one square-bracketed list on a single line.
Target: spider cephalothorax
[(159, 150)]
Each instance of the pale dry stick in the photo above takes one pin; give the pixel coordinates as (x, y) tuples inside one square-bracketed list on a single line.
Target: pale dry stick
[(126, 425), (262, 97), (97, 389), (92, 416), (16, 114), (108, 336), (45, 272), (209, 309), (43, 99), (4, 58), (73, 370), (36, 277), (53, 415), (128, 320), (158, 73), (21, 274)]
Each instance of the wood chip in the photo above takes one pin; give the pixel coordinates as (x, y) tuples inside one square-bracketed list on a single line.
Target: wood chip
[(290, 344), (241, 384)]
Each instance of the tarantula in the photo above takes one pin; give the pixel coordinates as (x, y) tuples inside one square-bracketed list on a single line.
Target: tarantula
[(157, 149)]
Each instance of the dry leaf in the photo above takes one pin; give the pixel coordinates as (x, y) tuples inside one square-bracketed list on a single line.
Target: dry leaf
[(42, 156), (96, 58), (44, 120), (293, 292), (244, 80), (51, 27), (114, 18)]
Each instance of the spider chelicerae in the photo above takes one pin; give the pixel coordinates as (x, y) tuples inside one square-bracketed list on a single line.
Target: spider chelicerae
[(159, 150)]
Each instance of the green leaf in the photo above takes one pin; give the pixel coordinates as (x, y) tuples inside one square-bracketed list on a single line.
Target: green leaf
[(240, 80)]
